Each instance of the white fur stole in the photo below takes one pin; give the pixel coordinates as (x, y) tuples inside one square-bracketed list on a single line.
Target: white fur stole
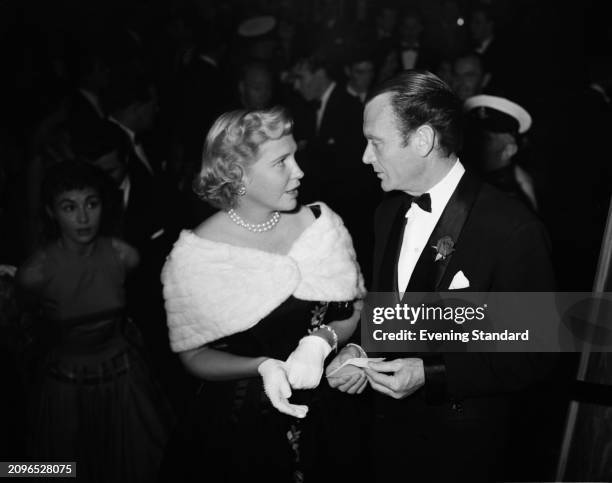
[(214, 289)]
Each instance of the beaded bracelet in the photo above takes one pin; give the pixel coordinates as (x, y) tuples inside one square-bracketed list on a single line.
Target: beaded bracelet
[(334, 345)]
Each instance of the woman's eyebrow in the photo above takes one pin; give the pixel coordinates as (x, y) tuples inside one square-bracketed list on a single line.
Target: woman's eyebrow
[(283, 156)]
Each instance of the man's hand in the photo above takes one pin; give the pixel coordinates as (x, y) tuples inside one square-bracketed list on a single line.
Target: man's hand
[(354, 383), (407, 376)]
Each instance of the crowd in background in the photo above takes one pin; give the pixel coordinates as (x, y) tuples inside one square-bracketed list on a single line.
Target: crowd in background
[(132, 88)]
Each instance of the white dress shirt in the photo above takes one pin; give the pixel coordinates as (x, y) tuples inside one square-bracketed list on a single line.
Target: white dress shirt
[(324, 100), (208, 60), (484, 45), (420, 224), (410, 56), (125, 187), (361, 96)]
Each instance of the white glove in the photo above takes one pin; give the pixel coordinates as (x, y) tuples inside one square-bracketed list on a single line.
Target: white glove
[(305, 364), (277, 388)]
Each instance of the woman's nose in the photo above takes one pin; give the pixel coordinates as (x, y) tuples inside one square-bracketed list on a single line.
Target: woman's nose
[(83, 216)]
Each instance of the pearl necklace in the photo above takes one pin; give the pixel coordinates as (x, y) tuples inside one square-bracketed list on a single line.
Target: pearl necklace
[(254, 227)]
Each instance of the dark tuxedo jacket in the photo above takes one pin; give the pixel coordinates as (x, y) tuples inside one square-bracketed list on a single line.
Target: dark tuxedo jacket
[(333, 170), (334, 148), (153, 207), (461, 414), (82, 115)]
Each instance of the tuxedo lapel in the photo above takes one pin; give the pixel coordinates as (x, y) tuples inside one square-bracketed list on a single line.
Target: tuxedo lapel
[(387, 278), (453, 219), (428, 273), (328, 121)]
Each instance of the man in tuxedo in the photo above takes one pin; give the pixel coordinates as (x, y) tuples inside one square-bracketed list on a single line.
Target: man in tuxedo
[(444, 414), (469, 75), (494, 129), (412, 53), (328, 129), (255, 86), (359, 71), (133, 110), (485, 42)]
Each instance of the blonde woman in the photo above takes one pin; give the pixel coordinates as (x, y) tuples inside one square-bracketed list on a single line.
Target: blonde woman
[(257, 297)]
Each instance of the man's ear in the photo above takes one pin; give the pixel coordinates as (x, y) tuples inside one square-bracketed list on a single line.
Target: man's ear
[(509, 151), (424, 139), (486, 78)]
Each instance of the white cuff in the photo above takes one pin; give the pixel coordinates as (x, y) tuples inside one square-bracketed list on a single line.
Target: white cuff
[(362, 353), (316, 343)]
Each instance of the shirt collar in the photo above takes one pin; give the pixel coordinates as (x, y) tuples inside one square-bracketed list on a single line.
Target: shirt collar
[(598, 88), (354, 93), (127, 130), (93, 100), (482, 48), (325, 96), (209, 60), (443, 190)]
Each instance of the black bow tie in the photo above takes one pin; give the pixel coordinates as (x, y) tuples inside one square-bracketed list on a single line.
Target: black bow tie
[(423, 201)]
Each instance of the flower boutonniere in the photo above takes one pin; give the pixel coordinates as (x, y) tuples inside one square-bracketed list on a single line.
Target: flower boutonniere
[(444, 247)]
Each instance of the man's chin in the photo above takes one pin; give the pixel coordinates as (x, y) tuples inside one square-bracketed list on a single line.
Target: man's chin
[(385, 186)]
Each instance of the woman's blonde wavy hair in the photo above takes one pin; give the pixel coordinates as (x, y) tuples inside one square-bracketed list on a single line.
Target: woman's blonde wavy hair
[(231, 146)]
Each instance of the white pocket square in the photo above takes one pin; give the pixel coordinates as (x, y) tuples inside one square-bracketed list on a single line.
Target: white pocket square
[(459, 281)]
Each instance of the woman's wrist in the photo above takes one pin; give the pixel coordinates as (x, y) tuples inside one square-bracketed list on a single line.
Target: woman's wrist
[(328, 334), (260, 360)]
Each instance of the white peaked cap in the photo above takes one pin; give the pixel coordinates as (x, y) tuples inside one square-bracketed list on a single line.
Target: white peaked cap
[(503, 105), (256, 26)]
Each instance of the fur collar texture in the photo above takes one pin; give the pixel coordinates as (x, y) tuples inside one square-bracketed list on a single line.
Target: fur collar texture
[(214, 289)]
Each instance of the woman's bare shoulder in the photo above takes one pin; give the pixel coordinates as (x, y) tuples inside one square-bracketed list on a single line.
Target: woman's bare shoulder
[(31, 274), (305, 216), (217, 228)]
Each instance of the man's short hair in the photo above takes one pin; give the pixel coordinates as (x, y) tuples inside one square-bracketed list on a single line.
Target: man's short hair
[(320, 60), (358, 53), (486, 10), (232, 145), (419, 97)]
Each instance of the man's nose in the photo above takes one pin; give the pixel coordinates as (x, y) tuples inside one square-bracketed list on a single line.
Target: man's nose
[(368, 155)]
